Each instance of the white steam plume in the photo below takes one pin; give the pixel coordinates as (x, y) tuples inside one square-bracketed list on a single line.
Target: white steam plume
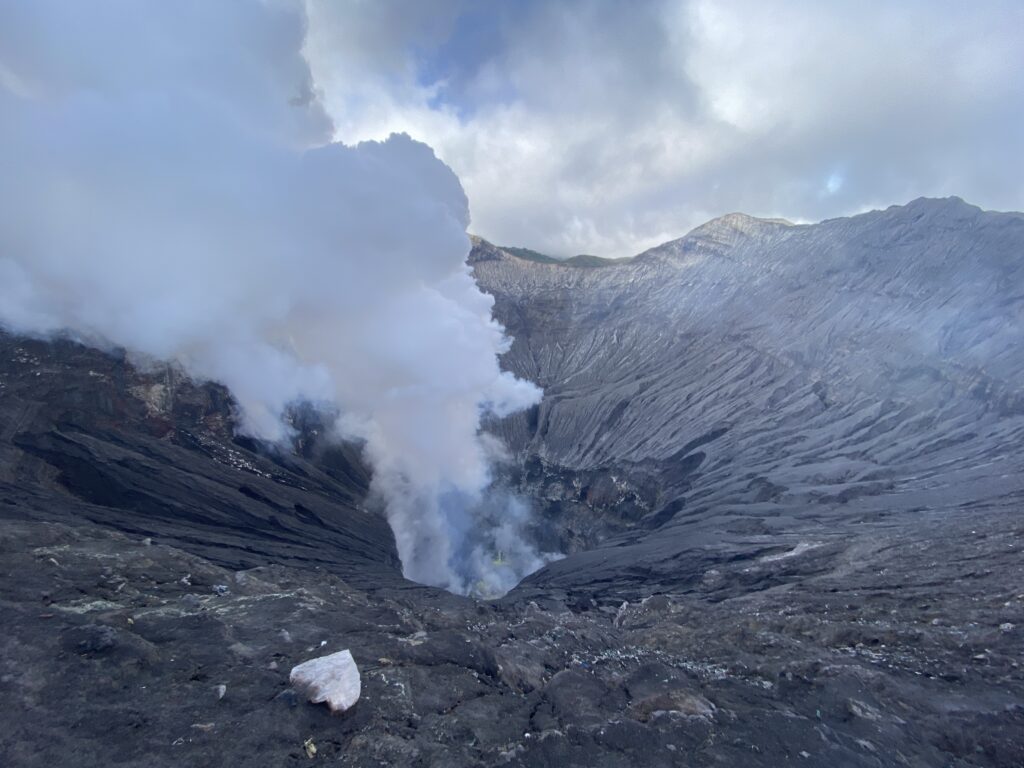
[(169, 185)]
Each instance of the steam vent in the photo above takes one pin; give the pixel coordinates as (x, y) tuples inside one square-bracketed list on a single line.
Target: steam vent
[(778, 537), (537, 384)]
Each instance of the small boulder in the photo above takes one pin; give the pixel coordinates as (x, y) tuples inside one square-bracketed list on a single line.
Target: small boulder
[(287, 697), (109, 642), (333, 679), (679, 702)]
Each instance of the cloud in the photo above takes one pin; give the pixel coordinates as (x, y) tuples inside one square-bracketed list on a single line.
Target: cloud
[(605, 127), (169, 185)]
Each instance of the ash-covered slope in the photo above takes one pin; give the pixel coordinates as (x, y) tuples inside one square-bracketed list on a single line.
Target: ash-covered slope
[(788, 458), (87, 437), (758, 378)]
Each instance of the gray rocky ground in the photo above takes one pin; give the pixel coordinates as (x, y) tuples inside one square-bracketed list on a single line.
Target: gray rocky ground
[(786, 462)]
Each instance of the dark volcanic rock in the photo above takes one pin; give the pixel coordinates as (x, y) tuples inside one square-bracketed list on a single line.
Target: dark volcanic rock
[(87, 436), (788, 461)]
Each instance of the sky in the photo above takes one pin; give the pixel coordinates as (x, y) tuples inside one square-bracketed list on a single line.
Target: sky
[(605, 127)]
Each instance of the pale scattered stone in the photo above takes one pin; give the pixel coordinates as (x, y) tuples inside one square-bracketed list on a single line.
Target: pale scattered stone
[(866, 711), (310, 748), (221, 691), (333, 679)]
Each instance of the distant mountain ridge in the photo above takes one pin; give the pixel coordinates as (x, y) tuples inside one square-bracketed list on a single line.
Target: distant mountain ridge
[(736, 223), (855, 363), (581, 260), (527, 254)]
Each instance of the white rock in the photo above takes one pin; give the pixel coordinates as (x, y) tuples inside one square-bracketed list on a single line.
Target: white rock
[(333, 679)]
